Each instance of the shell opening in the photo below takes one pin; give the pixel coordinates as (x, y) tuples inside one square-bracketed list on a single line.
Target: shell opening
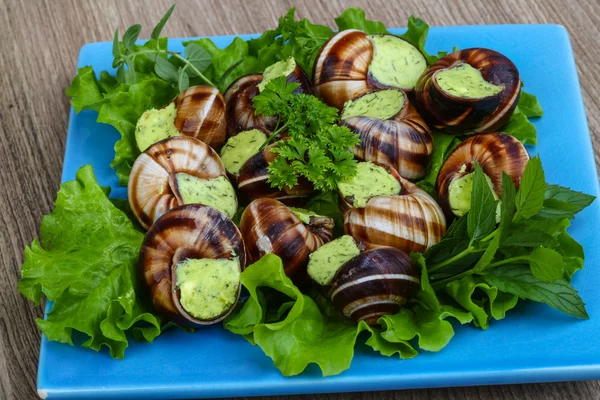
[(217, 193), (466, 82), (240, 148), (207, 287), (324, 262), (395, 62), (155, 125), (280, 68), (382, 104), (370, 180)]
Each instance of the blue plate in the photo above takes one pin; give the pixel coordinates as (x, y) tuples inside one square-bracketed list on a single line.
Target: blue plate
[(533, 344)]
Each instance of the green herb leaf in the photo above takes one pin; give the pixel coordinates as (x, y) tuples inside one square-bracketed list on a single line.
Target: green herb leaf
[(131, 35), (197, 56), (507, 206), (327, 204), (481, 219), (529, 105), (520, 281), (166, 70), (116, 49), (520, 127), (546, 264), (183, 80), (86, 262), (443, 145), (417, 35), (354, 18), (530, 197), (161, 24), (529, 239), (561, 202)]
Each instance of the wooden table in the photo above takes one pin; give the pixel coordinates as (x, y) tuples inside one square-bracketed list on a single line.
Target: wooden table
[(39, 42)]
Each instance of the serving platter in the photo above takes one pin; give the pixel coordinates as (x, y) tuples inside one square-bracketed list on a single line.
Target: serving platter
[(533, 344)]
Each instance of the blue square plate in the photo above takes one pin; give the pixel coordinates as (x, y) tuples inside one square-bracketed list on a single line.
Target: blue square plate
[(533, 344)]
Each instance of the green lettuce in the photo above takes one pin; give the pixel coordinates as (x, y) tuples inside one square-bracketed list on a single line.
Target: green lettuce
[(443, 145), (85, 262), (354, 18)]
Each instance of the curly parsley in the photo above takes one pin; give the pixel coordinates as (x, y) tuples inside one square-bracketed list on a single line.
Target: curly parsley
[(317, 149)]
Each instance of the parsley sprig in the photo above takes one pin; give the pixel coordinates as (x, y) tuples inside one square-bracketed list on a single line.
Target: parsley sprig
[(154, 56), (317, 148)]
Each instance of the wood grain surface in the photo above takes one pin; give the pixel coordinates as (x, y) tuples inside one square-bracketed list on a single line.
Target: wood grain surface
[(39, 43)]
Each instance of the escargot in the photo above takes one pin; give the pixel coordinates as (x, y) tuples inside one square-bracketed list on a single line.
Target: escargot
[(190, 264), (270, 227), (201, 115), (176, 171), (364, 284), (391, 132), (252, 181), (352, 63), (469, 91), (240, 111), (495, 153), (382, 208)]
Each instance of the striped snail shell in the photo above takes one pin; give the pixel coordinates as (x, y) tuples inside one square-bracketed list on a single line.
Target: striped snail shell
[(239, 108), (374, 283), (191, 231), (152, 188), (494, 152), (463, 113), (270, 227), (253, 184), (400, 139), (201, 115), (352, 63), (409, 221)]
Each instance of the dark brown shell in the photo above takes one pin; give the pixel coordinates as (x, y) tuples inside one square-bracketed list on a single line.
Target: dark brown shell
[(150, 189), (403, 142), (189, 231), (374, 283), (298, 75), (252, 181), (240, 112), (201, 115), (269, 227), (341, 70), (464, 116), (495, 153), (410, 221)]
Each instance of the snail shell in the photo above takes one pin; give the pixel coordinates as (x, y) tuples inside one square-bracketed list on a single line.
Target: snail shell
[(189, 231), (341, 70), (374, 283), (151, 188), (410, 221), (495, 153), (253, 184), (270, 227), (201, 115), (462, 115), (240, 111), (402, 142)]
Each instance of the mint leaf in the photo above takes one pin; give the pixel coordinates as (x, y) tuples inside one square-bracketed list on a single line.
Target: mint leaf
[(561, 202), (183, 80), (529, 239), (520, 281), (443, 145), (546, 264), (197, 56), (354, 18), (481, 219), (161, 24), (530, 197), (529, 105), (166, 70), (131, 35), (507, 206)]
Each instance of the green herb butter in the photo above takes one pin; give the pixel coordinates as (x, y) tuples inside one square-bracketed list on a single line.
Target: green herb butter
[(208, 287), (459, 193), (303, 215), (466, 81), (383, 104), (217, 193), (329, 258), (396, 62), (240, 148), (280, 68), (370, 180), (155, 125)]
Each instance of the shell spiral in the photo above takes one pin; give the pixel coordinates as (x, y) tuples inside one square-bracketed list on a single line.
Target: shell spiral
[(467, 115), (269, 227), (189, 231), (150, 191)]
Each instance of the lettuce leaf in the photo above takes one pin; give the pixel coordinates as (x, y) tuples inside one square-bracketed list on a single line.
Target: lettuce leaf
[(354, 18), (443, 145), (120, 106), (304, 336), (416, 34), (85, 262)]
